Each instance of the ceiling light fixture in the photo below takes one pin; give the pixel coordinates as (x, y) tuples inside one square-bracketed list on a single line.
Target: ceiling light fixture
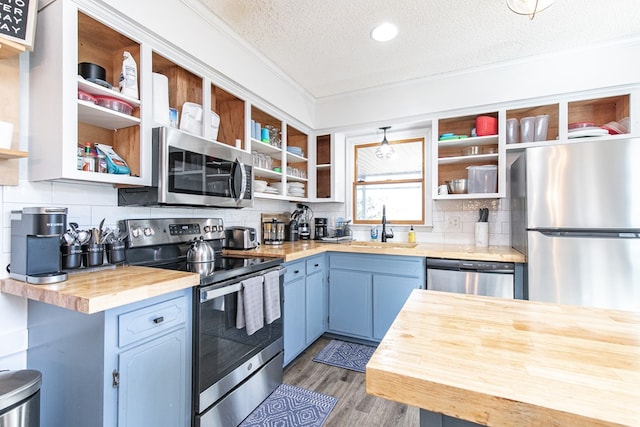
[(384, 150), (528, 7), (384, 32)]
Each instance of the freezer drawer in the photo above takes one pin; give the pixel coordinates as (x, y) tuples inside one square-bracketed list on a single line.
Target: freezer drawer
[(471, 282), (587, 271)]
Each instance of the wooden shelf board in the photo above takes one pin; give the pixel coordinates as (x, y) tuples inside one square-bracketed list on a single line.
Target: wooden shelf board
[(95, 89), (104, 117), (466, 159), (12, 154), (9, 49)]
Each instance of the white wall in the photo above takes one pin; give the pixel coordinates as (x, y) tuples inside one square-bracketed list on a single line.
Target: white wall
[(564, 72)]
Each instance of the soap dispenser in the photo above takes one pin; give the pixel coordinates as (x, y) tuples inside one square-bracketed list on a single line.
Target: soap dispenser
[(412, 235)]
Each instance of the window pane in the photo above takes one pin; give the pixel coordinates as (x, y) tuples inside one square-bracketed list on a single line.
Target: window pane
[(406, 162), (403, 201)]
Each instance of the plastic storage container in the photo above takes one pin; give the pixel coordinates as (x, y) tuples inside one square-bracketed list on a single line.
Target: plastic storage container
[(114, 104), (482, 179)]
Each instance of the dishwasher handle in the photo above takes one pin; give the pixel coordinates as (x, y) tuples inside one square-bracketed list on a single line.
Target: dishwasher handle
[(467, 265)]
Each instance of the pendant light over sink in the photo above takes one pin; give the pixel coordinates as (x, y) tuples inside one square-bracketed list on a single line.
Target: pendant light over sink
[(529, 7), (384, 150)]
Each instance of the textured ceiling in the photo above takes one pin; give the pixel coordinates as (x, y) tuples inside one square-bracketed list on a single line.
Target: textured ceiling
[(324, 45)]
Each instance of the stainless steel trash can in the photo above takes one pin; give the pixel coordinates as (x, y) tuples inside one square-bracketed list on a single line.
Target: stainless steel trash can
[(20, 398)]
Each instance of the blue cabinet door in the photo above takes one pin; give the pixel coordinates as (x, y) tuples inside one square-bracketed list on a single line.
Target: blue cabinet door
[(153, 380), (389, 295), (315, 306), (350, 303), (294, 318)]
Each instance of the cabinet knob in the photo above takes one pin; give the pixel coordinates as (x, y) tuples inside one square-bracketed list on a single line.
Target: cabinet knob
[(316, 265), (158, 320), (296, 271)]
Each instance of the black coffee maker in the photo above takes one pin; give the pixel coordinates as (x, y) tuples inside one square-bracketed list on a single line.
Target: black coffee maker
[(302, 215), (35, 245), (320, 228)]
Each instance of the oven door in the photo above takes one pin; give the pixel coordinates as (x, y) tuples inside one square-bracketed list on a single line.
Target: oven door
[(195, 171), (224, 355)]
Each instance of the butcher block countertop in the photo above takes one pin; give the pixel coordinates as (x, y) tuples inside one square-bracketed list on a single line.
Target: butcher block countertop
[(95, 291), (292, 251), (502, 362)]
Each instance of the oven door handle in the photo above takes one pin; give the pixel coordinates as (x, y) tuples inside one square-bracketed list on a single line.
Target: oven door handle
[(216, 293)]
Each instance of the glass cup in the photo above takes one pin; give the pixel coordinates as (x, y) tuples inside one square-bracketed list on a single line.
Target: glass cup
[(374, 233), (513, 131), (541, 127), (527, 129)]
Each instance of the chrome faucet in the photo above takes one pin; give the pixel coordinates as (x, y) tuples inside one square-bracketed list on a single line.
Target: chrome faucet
[(385, 235)]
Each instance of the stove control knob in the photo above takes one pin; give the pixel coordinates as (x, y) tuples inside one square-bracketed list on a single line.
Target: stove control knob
[(136, 232), (148, 231), (209, 229)]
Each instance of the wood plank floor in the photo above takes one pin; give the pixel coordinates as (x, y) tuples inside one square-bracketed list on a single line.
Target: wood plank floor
[(355, 407)]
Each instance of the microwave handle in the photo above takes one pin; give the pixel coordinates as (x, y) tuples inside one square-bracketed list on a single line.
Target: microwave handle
[(243, 179)]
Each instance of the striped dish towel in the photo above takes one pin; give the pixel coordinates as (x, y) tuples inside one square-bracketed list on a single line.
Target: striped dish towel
[(250, 305), (271, 296)]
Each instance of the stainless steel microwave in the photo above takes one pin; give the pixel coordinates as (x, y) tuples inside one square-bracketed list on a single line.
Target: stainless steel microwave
[(191, 171)]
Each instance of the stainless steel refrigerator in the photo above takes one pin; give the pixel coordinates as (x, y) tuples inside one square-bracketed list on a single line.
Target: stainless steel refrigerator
[(575, 213)]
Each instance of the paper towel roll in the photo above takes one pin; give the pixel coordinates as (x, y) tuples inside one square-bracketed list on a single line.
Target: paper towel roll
[(160, 84)]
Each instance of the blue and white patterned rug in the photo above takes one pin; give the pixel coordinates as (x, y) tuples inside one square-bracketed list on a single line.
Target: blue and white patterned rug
[(290, 406), (345, 355)]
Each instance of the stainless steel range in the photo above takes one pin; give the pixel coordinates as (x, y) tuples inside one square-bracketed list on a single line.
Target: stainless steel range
[(235, 367)]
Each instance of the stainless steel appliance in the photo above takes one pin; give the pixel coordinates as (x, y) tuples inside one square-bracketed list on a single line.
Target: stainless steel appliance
[(303, 215), (35, 244), (233, 371), (20, 398), (320, 228), (241, 238), (576, 214), (190, 170), (488, 278)]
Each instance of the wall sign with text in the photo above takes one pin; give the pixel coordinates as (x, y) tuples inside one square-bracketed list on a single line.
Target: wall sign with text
[(18, 21)]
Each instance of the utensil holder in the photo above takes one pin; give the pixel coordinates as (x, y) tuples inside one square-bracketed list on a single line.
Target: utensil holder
[(115, 252), (71, 256), (93, 254), (482, 234)]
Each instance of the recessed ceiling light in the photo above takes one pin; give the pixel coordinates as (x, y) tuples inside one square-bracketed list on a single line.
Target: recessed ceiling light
[(384, 32)]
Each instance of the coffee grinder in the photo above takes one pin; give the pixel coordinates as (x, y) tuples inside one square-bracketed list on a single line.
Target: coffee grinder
[(35, 245)]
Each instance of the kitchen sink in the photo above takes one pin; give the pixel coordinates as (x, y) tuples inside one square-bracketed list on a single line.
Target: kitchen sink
[(382, 245)]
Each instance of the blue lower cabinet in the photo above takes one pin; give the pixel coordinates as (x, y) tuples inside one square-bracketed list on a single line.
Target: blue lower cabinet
[(366, 292), (350, 308), (305, 295), (389, 295), (114, 368), (294, 318)]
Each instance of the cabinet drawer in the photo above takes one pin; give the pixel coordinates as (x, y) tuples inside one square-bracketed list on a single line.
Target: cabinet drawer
[(294, 270), (316, 264), (148, 321), (390, 264)]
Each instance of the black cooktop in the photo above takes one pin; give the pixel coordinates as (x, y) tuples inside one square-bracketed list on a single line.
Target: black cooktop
[(222, 268)]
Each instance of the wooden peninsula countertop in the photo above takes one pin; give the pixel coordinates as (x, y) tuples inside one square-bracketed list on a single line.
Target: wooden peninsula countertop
[(95, 291), (291, 251), (502, 362)]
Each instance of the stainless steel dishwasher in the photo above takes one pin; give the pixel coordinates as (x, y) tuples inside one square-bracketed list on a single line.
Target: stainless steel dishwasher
[(495, 279)]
